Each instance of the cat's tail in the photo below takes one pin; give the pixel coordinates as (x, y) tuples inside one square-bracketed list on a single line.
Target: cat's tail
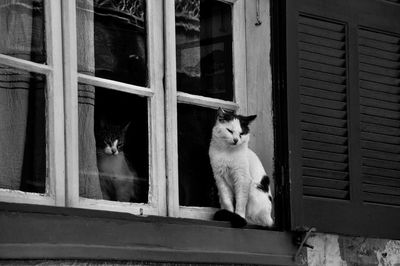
[(236, 220)]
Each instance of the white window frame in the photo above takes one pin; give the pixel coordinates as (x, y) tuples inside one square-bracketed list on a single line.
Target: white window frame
[(173, 97), (53, 70), (155, 95)]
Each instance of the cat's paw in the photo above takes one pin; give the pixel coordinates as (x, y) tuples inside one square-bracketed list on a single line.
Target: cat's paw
[(238, 221), (223, 215)]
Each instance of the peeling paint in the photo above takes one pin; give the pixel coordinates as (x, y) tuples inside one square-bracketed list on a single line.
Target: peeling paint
[(352, 251)]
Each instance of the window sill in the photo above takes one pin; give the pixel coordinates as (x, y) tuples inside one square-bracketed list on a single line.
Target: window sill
[(42, 232)]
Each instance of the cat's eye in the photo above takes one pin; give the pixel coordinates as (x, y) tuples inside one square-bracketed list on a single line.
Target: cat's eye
[(230, 131)]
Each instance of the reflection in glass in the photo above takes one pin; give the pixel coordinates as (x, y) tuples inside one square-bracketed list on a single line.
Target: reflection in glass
[(22, 130), (112, 40), (113, 145), (22, 30), (204, 48), (196, 182)]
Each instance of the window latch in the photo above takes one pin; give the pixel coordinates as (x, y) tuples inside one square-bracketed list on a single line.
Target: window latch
[(300, 237)]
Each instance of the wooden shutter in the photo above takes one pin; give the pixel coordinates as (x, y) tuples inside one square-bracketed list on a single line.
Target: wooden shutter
[(343, 105)]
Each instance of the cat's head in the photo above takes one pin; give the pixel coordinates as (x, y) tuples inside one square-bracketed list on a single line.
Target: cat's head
[(232, 129), (110, 138)]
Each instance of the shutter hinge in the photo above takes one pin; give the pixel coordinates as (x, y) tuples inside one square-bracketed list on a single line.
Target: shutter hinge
[(300, 237)]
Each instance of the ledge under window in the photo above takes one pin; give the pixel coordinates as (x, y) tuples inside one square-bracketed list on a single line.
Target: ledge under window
[(42, 232)]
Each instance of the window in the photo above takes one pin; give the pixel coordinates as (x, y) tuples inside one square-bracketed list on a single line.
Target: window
[(90, 75), (32, 128), (115, 93), (208, 71), (343, 116)]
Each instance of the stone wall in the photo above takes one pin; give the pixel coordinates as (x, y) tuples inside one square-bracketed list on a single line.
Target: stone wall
[(332, 250)]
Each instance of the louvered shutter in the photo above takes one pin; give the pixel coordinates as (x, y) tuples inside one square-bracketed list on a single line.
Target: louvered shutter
[(343, 106)]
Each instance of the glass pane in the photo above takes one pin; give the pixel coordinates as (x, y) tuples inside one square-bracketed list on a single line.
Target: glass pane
[(113, 145), (22, 130), (204, 48), (22, 29), (196, 181), (112, 40)]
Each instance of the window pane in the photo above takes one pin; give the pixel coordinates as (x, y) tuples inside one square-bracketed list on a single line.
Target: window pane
[(112, 40), (196, 181), (113, 145), (204, 48), (22, 29), (22, 130)]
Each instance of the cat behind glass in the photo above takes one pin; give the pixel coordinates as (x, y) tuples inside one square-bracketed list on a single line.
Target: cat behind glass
[(117, 177), (242, 183)]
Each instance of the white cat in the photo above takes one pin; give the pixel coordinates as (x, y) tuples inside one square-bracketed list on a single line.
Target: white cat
[(242, 183)]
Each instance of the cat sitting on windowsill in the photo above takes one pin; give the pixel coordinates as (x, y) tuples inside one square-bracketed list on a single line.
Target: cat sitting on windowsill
[(242, 183)]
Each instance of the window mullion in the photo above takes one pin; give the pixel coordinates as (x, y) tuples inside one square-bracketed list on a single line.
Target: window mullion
[(55, 108), (171, 109), (71, 101)]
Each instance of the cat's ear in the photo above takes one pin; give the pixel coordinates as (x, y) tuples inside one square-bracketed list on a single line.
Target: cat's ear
[(223, 115), (125, 128), (248, 119)]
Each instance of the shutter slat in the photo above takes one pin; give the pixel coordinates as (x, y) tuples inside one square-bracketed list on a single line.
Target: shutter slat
[(379, 87), (308, 109), (324, 129), (380, 138), (323, 59), (379, 180), (320, 146), (307, 82), (379, 79), (322, 67), (315, 101), (324, 173), (313, 163), (382, 155), (328, 156), (321, 120), (329, 95), (380, 121), (378, 112), (312, 48), (325, 183), (379, 54), (378, 61), (369, 145), (379, 95), (382, 189), (382, 164), (304, 38), (318, 75), (380, 172), (379, 36), (324, 138), (379, 104), (393, 73), (378, 44), (381, 198), (303, 20), (379, 129), (325, 192), (315, 31)]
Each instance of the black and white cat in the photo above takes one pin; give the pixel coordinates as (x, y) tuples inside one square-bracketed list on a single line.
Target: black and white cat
[(117, 177), (242, 183)]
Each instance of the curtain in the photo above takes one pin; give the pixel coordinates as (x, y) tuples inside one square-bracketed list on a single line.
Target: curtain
[(22, 98), (89, 185)]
